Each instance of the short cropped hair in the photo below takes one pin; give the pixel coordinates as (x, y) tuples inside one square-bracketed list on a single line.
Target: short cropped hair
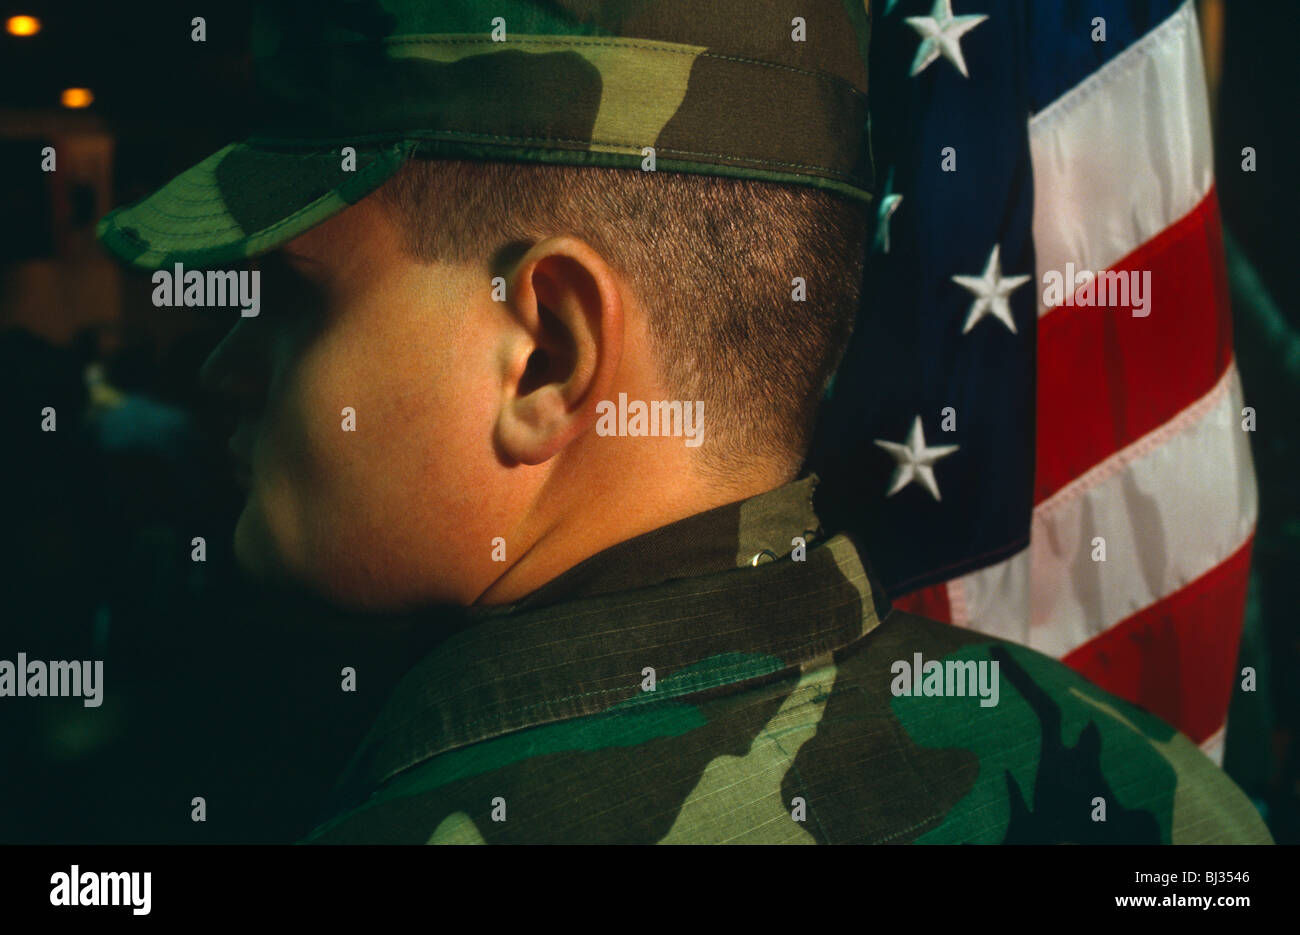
[(712, 259)]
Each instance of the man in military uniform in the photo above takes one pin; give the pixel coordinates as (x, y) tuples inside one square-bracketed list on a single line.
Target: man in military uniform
[(553, 291)]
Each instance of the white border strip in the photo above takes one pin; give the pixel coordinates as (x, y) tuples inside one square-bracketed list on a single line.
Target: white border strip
[(1213, 746)]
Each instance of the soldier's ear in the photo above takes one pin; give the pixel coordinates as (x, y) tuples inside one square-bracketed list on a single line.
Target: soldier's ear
[(562, 357)]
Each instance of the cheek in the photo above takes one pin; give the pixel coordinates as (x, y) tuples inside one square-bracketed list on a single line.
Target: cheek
[(298, 455), (373, 505), (420, 475), (334, 465)]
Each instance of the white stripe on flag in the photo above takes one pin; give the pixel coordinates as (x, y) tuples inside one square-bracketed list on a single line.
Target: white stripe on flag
[(1123, 155), (1213, 745), (1150, 502)]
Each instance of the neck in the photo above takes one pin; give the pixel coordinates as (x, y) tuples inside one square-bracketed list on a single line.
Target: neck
[(567, 527)]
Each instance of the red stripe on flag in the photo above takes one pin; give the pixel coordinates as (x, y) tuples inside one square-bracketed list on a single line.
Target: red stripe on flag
[(929, 602), (1105, 378), (1178, 657)]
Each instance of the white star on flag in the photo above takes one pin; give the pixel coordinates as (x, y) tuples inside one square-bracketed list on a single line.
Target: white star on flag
[(915, 461), (941, 34), (991, 290)]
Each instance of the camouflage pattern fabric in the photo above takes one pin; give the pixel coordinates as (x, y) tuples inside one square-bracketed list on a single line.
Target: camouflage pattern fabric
[(719, 88), (773, 717)]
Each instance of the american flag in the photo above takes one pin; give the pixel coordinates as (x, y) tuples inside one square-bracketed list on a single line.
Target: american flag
[(1073, 471)]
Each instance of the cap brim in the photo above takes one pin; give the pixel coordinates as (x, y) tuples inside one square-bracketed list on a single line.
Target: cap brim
[(244, 200)]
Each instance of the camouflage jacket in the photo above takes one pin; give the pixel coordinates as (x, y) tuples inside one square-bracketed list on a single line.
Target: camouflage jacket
[(715, 681)]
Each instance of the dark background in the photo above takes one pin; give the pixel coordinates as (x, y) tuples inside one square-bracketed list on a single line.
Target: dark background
[(221, 690)]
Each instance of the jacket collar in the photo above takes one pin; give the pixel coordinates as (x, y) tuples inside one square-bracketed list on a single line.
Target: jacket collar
[(740, 534), (686, 600)]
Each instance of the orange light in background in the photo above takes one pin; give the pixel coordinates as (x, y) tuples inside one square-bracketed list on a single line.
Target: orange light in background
[(77, 97), (22, 25)]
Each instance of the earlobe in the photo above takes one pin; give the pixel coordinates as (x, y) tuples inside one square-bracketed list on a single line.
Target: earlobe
[(536, 427)]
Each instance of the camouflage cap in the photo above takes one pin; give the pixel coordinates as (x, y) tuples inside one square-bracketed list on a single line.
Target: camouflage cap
[(773, 90)]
